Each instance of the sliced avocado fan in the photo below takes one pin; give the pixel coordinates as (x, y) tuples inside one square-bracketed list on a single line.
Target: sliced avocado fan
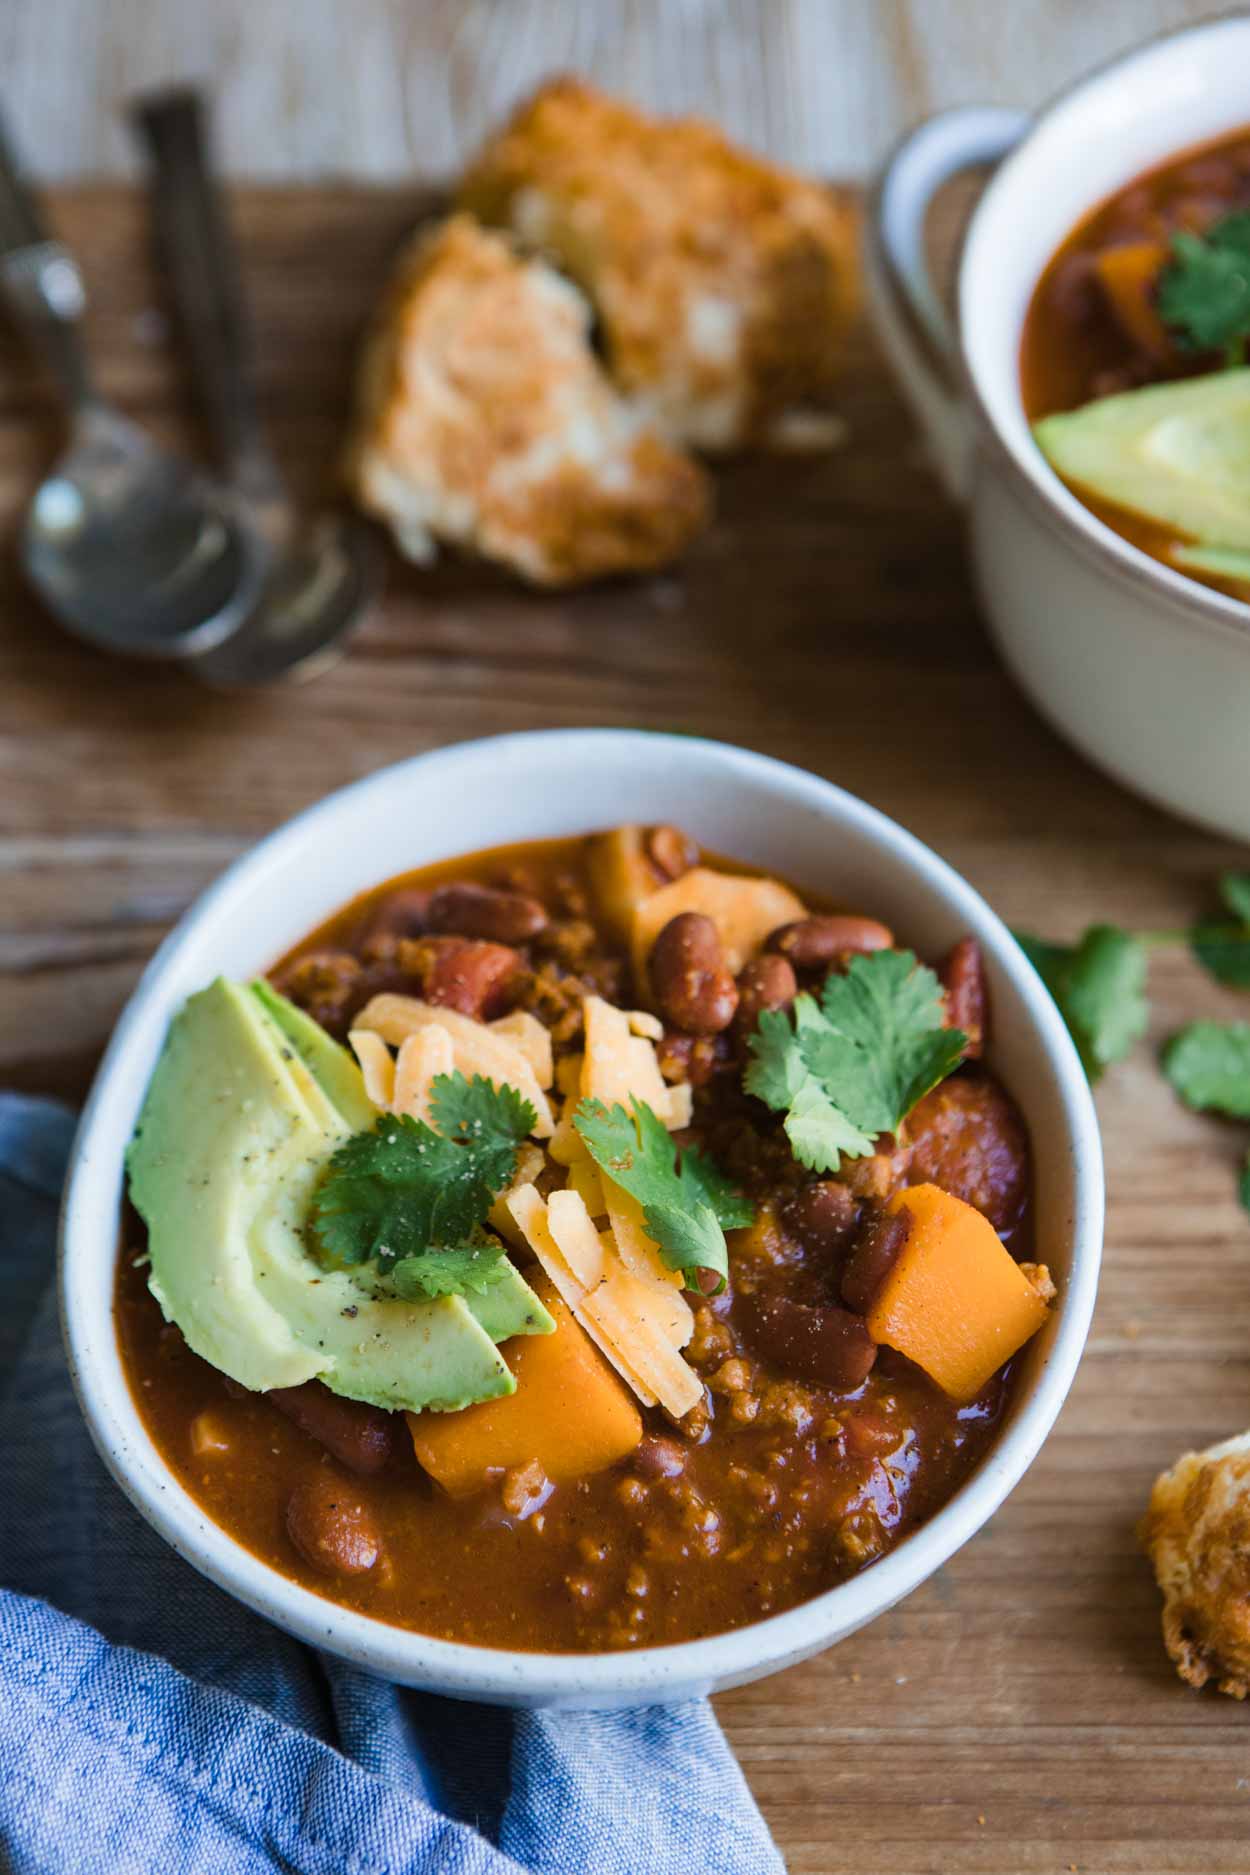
[(1179, 454), (1232, 563), (509, 1307), (235, 1132)]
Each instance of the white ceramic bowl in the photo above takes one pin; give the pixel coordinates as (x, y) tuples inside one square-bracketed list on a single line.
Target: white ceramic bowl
[(518, 788), (1145, 670)]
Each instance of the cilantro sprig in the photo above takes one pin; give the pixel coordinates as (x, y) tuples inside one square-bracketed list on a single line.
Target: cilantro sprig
[(1204, 291), (687, 1202), (854, 1064), (411, 1199), (1100, 982), (1208, 1063)]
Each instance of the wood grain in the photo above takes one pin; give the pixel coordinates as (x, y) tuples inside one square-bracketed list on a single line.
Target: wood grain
[(386, 89), (1017, 1713)]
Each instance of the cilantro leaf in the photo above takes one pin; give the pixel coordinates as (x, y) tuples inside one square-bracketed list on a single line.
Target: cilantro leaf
[(1049, 960), (1221, 948), (1105, 992), (702, 1182), (402, 1189), (1208, 1064), (489, 1121), (687, 1202), (777, 1073), (820, 1134), (855, 1064), (891, 1010), (458, 1270), (1224, 951), (1204, 291), (1099, 986)]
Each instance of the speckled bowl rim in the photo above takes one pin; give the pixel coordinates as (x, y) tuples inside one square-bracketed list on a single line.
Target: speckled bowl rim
[(88, 1239)]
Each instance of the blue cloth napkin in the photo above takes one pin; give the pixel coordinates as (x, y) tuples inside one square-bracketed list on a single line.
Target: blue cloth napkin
[(150, 1723)]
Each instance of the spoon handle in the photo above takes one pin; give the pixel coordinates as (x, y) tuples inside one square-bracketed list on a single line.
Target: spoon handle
[(195, 244), (40, 280)]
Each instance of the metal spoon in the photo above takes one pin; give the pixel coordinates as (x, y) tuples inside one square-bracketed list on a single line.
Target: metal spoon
[(128, 547), (321, 575)]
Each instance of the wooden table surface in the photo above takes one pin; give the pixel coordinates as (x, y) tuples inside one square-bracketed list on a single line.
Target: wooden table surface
[(1017, 1713), (385, 89)]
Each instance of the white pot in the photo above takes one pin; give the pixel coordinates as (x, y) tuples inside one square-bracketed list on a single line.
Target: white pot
[(1145, 670), (521, 788)]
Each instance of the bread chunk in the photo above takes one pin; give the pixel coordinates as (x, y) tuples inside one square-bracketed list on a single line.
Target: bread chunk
[(1197, 1535), (723, 284), (485, 419)]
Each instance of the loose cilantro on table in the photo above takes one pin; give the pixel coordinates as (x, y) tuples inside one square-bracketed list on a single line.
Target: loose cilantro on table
[(854, 1064), (687, 1202), (1099, 985), (411, 1199), (1224, 948), (1208, 1064), (1204, 291)]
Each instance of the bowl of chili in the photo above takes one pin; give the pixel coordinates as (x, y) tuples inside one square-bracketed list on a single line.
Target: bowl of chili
[(1096, 263), (676, 1519)]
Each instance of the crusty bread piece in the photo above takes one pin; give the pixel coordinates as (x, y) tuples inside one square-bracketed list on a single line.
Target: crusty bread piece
[(1197, 1535), (485, 419), (723, 284)]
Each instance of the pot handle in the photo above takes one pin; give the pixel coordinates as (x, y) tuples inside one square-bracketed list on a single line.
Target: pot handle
[(915, 330)]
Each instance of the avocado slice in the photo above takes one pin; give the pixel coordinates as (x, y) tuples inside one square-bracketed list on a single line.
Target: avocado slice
[(1231, 563), (331, 1064), (1177, 453), (509, 1307), (233, 1136)]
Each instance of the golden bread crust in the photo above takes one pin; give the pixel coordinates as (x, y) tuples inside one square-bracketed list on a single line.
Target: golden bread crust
[(724, 284), (1197, 1535), (484, 418)]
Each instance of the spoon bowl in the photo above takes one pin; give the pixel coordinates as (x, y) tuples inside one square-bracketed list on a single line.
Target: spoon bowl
[(134, 552), (317, 586)]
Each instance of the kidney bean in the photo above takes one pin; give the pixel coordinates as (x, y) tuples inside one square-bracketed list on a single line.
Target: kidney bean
[(814, 943), (828, 1346), (400, 914), (767, 982), (689, 976), (869, 1435), (468, 974), (483, 911), (823, 1215), (658, 1457), (332, 1526), (962, 972), (671, 851), (693, 1058), (874, 1256), (360, 1437)]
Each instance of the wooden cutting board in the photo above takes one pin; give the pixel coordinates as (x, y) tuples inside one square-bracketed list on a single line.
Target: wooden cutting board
[(1017, 1713)]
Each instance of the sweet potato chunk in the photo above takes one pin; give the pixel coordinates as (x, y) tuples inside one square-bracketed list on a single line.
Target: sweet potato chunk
[(1127, 276), (955, 1301), (621, 874), (569, 1412)]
